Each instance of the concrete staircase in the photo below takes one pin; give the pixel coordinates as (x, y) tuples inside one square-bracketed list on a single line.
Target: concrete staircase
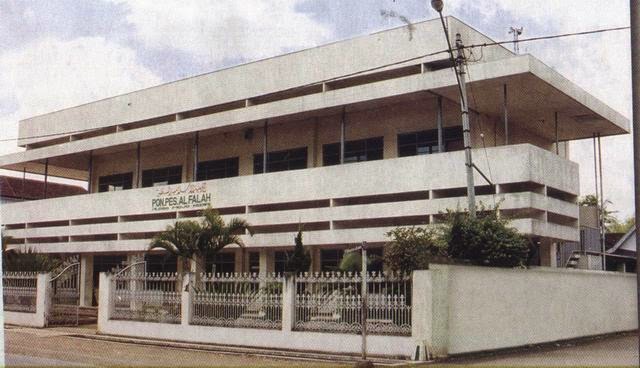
[(574, 260), (87, 315)]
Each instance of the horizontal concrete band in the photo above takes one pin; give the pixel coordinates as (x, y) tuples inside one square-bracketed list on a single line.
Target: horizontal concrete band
[(325, 191)]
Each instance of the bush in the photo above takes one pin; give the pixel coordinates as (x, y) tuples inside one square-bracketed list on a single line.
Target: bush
[(486, 240), (411, 249)]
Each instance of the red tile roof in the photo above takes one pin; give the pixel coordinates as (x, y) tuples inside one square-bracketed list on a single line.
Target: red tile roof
[(12, 187)]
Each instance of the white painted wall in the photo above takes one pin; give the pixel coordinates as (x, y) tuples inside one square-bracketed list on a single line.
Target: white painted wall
[(480, 308)]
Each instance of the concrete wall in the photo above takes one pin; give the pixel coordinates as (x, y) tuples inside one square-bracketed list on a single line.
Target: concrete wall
[(470, 309), (39, 318)]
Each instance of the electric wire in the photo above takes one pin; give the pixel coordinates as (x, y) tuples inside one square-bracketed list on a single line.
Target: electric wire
[(363, 71)]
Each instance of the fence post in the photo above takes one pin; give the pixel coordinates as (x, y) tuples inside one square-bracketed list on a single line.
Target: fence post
[(43, 298), (288, 302), (186, 309), (104, 299)]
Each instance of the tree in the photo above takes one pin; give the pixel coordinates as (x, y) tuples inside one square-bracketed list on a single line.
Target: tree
[(26, 261), (198, 240), (622, 227), (411, 248), (300, 259), (485, 240)]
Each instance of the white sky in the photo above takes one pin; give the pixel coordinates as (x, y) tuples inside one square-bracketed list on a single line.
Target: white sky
[(56, 54)]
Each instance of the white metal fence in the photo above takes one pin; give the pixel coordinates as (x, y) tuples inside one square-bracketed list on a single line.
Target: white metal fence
[(332, 302), (19, 291), (328, 302), (149, 297), (237, 300)]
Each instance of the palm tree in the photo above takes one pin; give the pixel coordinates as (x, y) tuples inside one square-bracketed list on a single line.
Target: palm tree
[(181, 239), (198, 240)]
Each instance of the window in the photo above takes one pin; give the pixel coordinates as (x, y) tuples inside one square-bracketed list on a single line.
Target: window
[(221, 263), (254, 262), (426, 141), (217, 169), (280, 261), (354, 151), (115, 182), (376, 263), (161, 262), (292, 159), (162, 176), (330, 259)]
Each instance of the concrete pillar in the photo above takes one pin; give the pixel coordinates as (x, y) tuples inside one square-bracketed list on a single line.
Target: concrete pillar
[(548, 251), (43, 299), (104, 302), (621, 267), (440, 308), (86, 280), (238, 260), (186, 310), (421, 316), (263, 261), (288, 303)]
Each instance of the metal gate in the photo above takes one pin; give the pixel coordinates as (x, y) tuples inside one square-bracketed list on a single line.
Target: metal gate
[(65, 297)]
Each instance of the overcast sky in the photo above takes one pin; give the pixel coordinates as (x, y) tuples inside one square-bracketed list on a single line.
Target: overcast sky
[(61, 53)]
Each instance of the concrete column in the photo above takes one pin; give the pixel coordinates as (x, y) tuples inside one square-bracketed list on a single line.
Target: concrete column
[(439, 318), (548, 253), (421, 316), (288, 303), (186, 310), (238, 261), (315, 259), (439, 121), (263, 261), (43, 299), (104, 302), (86, 280)]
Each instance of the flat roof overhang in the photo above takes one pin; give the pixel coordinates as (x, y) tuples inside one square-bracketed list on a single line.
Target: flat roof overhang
[(535, 93)]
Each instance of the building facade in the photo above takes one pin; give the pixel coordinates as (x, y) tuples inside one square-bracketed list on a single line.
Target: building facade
[(347, 140)]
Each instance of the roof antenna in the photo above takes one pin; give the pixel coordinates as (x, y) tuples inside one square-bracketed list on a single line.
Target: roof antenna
[(516, 34)]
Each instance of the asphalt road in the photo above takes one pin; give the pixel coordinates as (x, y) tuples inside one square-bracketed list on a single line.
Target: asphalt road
[(606, 351), (53, 347), (32, 347)]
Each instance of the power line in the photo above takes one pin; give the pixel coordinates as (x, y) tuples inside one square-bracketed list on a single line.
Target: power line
[(548, 37), (363, 71)]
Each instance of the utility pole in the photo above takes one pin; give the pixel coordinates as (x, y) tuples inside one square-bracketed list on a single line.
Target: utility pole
[(466, 127), (458, 68), (635, 91)]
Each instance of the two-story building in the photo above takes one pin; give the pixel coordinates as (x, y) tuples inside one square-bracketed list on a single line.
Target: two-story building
[(349, 140)]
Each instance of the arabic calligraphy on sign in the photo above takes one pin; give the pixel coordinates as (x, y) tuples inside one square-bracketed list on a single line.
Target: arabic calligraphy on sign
[(184, 196)]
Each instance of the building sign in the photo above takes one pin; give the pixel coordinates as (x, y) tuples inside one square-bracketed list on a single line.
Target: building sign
[(179, 197)]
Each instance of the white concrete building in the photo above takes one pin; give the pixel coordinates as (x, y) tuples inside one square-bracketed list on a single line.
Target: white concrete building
[(358, 137)]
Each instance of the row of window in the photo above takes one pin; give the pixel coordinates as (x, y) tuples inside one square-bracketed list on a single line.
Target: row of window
[(226, 262), (409, 144)]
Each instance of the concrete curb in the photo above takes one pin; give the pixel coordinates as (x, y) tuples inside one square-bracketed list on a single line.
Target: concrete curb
[(238, 350)]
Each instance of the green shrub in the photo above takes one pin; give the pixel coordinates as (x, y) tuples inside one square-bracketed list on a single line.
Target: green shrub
[(486, 240), (411, 248)]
